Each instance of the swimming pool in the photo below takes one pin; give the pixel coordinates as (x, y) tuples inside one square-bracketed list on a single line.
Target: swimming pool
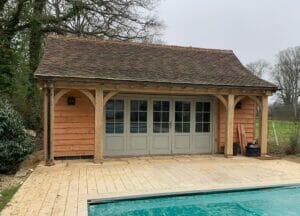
[(268, 201)]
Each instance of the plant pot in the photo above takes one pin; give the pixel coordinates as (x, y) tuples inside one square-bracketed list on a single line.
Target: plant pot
[(252, 150)]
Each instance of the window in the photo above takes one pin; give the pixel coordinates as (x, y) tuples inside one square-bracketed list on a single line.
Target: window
[(203, 117), (161, 116), (182, 116), (114, 117), (138, 116)]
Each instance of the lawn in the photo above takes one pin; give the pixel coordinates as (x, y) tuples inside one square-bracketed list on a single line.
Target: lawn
[(284, 131), (6, 195)]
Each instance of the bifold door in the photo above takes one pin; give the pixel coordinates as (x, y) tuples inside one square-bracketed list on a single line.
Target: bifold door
[(157, 125)]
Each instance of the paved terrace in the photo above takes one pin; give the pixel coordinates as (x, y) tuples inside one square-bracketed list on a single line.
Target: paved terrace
[(64, 188)]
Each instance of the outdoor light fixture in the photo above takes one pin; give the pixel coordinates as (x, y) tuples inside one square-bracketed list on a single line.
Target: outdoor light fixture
[(71, 101), (238, 105)]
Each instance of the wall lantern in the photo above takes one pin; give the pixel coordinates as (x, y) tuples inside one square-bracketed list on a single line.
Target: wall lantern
[(238, 105), (71, 101)]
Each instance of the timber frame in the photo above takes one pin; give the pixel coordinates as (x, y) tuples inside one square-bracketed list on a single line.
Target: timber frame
[(103, 91)]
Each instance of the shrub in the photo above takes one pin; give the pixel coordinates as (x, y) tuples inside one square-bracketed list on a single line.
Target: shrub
[(15, 144), (294, 144)]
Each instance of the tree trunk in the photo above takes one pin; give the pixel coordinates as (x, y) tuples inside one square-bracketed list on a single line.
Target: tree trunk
[(36, 35)]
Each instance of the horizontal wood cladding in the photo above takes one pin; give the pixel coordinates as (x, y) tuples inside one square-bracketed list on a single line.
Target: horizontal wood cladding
[(245, 116), (74, 126)]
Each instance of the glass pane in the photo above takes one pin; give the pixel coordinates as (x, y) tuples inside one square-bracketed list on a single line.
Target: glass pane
[(206, 117), (119, 105), (178, 106), (156, 116), (109, 128), (134, 105), (165, 127), (199, 117), (143, 116), (109, 116), (119, 128), (206, 107), (134, 116), (178, 127), (186, 127), (119, 116), (178, 116), (186, 106), (206, 127), (134, 127), (199, 106), (199, 127), (156, 105), (143, 105), (165, 116), (110, 105), (142, 127), (165, 105), (186, 116), (156, 127)]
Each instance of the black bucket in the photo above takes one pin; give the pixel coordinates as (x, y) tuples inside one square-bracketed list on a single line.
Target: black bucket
[(236, 149), (252, 150)]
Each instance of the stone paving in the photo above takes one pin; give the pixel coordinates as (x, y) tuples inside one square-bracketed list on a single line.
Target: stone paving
[(64, 189)]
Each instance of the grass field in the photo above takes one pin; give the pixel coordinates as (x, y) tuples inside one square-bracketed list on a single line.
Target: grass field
[(284, 131)]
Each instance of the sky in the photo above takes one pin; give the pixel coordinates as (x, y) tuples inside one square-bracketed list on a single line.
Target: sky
[(253, 29)]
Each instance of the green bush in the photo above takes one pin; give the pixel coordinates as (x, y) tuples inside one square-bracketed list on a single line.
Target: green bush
[(294, 144), (15, 144)]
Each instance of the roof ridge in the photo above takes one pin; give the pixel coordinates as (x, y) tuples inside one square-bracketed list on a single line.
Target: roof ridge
[(97, 40)]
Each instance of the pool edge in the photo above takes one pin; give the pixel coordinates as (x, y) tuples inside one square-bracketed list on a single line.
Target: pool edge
[(187, 192)]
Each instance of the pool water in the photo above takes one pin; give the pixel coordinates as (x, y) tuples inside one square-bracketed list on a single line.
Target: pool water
[(283, 201)]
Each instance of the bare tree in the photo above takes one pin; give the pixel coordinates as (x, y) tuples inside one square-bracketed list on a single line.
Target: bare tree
[(259, 67), (287, 76)]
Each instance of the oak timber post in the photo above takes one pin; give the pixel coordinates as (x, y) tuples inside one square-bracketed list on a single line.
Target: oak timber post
[(48, 123), (99, 106), (229, 126), (263, 137)]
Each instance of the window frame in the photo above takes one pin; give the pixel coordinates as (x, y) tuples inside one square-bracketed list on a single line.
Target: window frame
[(181, 112), (115, 122), (139, 124), (203, 122)]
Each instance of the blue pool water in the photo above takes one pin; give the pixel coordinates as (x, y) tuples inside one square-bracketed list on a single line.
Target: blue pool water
[(283, 201)]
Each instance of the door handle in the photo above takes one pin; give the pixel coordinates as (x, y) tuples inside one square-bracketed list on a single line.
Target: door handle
[(170, 124)]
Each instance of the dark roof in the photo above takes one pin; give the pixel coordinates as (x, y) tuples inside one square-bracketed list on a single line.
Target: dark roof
[(70, 57)]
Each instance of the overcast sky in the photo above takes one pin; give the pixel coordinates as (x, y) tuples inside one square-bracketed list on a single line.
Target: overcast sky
[(253, 29)]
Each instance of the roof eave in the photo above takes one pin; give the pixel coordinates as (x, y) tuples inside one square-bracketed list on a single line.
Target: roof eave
[(95, 79)]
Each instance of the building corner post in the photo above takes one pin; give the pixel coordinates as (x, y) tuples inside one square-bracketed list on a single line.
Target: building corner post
[(263, 136), (48, 122)]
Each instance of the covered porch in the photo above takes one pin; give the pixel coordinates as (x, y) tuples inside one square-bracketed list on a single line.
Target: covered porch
[(224, 116)]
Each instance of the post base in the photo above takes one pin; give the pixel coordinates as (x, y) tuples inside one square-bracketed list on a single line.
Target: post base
[(228, 155), (49, 162), (98, 161)]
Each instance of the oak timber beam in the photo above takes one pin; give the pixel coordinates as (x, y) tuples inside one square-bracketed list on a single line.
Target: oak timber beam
[(108, 96), (89, 95), (161, 89), (61, 93), (238, 99), (222, 99), (257, 100)]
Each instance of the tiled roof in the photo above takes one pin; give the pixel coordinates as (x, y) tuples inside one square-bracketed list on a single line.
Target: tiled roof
[(70, 57)]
